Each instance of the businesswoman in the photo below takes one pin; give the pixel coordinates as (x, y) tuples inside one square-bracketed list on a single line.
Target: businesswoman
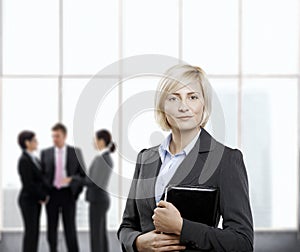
[(96, 194), (34, 190), (188, 156)]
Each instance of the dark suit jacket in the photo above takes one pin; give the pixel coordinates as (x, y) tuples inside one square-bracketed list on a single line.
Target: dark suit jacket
[(74, 167), (34, 186), (97, 181), (209, 163)]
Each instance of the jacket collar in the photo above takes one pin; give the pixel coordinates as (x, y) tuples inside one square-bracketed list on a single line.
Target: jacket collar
[(151, 164), (205, 143)]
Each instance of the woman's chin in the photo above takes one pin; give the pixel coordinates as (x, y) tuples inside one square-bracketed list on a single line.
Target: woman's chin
[(186, 127)]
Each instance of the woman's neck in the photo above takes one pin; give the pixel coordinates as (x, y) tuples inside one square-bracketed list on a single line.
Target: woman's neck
[(180, 139)]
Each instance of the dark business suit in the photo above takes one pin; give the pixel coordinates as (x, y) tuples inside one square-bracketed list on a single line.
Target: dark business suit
[(97, 196), (34, 189), (63, 199), (209, 163)]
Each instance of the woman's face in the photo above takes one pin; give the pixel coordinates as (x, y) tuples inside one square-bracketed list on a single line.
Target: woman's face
[(184, 107), (32, 144), (99, 144)]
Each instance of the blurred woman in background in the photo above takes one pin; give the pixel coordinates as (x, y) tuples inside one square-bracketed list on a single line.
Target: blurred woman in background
[(34, 190), (96, 194)]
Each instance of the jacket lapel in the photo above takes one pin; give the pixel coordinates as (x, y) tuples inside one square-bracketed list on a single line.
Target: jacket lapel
[(194, 161), (186, 166), (187, 173), (31, 161), (68, 162), (150, 167), (52, 162)]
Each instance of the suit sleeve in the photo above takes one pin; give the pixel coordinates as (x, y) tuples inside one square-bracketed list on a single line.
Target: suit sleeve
[(102, 171), (237, 232), (99, 172), (130, 227), (80, 173), (87, 180), (43, 163), (27, 178), (81, 170)]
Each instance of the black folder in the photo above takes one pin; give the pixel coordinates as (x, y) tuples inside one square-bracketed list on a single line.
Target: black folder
[(199, 204)]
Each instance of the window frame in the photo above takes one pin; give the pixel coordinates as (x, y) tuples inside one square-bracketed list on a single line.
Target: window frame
[(240, 77)]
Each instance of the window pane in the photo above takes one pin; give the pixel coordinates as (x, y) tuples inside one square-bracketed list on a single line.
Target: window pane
[(72, 89), (90, 35), (140, 129), (269, 139), (27, 104), (150, 27), (30, 37), (270, 36), (224, 110), (103, 118), (210, 35)]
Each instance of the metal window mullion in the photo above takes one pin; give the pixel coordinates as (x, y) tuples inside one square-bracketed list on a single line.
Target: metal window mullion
[(180, 30), (61, 61), (298, 120), (1, 120), (240, 73), (120, 98)]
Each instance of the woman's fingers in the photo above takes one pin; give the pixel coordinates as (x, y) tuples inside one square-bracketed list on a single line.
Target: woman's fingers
[(170, 242), (169, 237), (167, 218), (163, 204), (159, 213), (154, 241), (172, 248)]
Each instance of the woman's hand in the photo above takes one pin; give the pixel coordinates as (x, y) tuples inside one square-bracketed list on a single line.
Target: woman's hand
[(167, 219), (156, 241)]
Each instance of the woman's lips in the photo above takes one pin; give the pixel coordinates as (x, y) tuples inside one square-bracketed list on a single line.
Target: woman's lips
[(184, 117)]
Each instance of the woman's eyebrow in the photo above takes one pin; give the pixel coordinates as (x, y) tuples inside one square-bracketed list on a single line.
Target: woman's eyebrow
[(187, 93)]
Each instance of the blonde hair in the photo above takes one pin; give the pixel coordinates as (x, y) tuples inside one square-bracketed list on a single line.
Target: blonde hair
[(173, 79)]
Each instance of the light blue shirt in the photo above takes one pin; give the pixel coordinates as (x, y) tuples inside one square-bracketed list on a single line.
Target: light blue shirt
[(170, 163)]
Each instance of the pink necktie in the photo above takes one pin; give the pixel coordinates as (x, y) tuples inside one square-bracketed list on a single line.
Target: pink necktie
[(59, 169)]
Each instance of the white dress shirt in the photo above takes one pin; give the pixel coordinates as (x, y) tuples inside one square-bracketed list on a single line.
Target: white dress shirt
[(100, 152), (170, 163), (34, 159)]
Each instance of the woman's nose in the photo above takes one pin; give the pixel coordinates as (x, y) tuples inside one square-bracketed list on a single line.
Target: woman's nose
[(183, 106)]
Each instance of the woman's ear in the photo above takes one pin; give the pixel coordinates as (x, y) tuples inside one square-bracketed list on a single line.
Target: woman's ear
[(27, 143), (102, 142)]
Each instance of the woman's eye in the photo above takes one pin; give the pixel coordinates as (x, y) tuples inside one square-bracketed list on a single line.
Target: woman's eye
[(194, 97), (173, 98)]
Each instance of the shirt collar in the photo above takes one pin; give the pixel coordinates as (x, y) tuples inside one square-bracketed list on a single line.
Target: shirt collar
[(31, 154), (63, 149), (164, 146), (100, 152)]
